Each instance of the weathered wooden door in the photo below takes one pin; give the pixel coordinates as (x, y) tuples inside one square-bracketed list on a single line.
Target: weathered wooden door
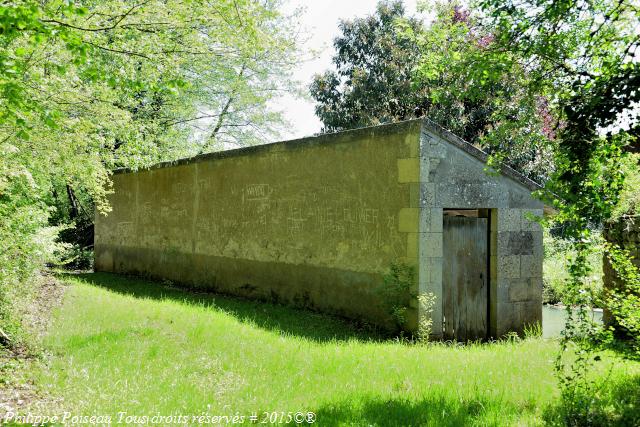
[(464, 278)]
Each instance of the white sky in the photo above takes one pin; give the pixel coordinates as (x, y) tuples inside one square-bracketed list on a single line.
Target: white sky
[(321, 21)]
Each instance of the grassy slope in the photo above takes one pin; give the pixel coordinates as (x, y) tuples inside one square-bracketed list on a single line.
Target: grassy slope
[(129, 345)]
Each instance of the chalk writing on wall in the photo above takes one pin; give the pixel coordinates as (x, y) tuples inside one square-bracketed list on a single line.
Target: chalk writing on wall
[(309, 212)]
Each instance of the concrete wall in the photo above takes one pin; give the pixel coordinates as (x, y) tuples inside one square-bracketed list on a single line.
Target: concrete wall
[(452, 175), (314, 222)]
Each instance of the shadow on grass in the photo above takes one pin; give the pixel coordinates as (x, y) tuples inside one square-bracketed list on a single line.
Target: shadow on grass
[(438, 411), (615, 403), (273, 317)]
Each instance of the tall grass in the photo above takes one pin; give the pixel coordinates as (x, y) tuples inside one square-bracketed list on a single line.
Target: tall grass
[(124, 345)]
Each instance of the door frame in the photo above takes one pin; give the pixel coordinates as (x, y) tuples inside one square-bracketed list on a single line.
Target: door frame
[(491, 243)]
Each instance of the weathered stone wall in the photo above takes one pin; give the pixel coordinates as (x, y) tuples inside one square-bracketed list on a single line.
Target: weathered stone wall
[(314, 222), (451, 176), (626, 234)]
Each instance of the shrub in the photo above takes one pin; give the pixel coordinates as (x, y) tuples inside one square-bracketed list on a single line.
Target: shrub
[(557, 252), (397, 292), (26, 243), (426, 303)]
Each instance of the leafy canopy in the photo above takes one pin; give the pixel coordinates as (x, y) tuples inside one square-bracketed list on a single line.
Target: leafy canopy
[(372, 80), (391, 67), (87, 86)]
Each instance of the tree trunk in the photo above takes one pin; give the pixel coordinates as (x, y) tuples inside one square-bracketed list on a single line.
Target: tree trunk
[(73, 202), (5, 341), (223, 112)]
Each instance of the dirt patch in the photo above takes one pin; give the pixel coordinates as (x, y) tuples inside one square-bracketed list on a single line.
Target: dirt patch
[(18, 393), (49, 296)]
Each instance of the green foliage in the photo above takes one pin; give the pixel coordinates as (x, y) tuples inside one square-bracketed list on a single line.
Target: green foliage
[(481, 95), (582, 336), (581, 54), (614, 402), (629, 200), (397, 294), (27, 243), (391, 67), (426, 303), (89, 86), (397, 291), (533, 331), (623, 300), (558, 253), (372, 80)]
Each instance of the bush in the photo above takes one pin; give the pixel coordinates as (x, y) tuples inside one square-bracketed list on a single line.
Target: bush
[(557, 252), (26, 243), (77, 258), (397, 292)]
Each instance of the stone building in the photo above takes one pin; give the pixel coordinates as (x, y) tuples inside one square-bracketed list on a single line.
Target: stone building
[(317, 222)]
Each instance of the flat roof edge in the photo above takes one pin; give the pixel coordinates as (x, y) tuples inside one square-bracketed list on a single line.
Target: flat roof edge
[(383, 129)]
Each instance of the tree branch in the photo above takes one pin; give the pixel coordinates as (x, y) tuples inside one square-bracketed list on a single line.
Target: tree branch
[(111, 27)]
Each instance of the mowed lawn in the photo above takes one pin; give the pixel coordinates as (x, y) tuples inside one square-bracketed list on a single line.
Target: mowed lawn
[(125, 345)]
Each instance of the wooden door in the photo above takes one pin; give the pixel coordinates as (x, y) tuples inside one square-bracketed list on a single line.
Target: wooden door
[(464, 278)]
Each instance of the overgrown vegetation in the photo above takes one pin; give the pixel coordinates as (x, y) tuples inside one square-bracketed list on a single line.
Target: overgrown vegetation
[(584, 54), (629, 199), (623, 300), (558, 252), (399, 297), (426, 303), (27, 244), (396, 293)]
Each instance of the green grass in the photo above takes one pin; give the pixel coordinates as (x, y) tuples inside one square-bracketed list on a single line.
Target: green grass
[(120, 344)]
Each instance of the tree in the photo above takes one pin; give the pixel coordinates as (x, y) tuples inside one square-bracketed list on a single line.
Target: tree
[(372, 81), (583, 54), (88, 86), (493, 107), (391, 67)]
